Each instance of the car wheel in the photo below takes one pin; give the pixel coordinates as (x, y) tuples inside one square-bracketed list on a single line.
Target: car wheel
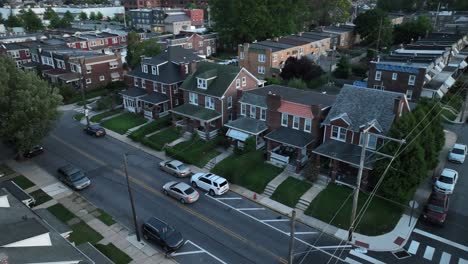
[(182, 200), (194, 184), (145, 236), (165, 192), (212, 193)]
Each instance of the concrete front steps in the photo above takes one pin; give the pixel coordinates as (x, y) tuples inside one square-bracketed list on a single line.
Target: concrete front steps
[(309, 196), (273, 184)]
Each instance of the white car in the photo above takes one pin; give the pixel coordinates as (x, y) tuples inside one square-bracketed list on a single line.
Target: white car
[(175, 168), (212, 183), (445, 183), (458, 153)]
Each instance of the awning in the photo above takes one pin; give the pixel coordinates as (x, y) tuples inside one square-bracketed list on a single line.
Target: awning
[(462, 65), (449, 82), (235, 134)]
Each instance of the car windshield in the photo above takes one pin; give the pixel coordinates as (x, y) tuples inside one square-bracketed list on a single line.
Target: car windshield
[(189, 191), (77, 176), (168, 231), (182, 167), (435, 208), (458, 151), (445, 179)]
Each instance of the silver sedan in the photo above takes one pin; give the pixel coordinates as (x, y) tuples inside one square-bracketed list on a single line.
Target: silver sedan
[(175, 168), (181, 191)]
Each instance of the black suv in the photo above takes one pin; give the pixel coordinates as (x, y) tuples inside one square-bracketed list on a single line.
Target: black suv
[(157, 230), (73, 177), (95, 130)]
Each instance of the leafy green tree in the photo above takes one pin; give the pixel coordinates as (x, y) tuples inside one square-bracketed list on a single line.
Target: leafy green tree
[(399, 5), (343, 68), (92, 16), (49, 13), (68, 18), (146, 48), (28, 107), (297, 83), (249, 144), (302, 68), (326, 12), (412, 30), (375, 28), (99, 16), (83, 16), (31, 21), (132, 41), (14, 21)]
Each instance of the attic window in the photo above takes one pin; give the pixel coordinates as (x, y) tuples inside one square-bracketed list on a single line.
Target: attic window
[(154, 70), (145, 68), (202, 83)]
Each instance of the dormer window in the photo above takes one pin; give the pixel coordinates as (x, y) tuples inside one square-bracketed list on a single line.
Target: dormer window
[(202, 83), (145, 68), (154, 70)]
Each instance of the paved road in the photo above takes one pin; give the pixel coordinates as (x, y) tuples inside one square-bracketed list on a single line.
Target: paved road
[(227, 229)]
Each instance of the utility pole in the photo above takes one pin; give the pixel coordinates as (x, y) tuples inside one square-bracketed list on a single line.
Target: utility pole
[(83, 87), (378, 36), (137, 232), (331, 62), (462, 116), (291, 237), (437, 16)]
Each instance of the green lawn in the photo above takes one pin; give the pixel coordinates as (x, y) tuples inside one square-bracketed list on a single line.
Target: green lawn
[(380, 218), (6, 170), (156, 125), (196, 151), (248, 170), (84, 233), (99, 117), (290, 191), (81, 103), (114, 253), (78, 116), (88, 95), (105, 218), (23, 182), (124, 122), (40, 196), (157, 141), (61, 212)]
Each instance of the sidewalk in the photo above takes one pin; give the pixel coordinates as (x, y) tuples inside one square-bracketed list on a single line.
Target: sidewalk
[(86, 212)]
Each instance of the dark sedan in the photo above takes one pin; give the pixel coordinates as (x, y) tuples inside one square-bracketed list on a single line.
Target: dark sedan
[(95, 130), (436, 208)]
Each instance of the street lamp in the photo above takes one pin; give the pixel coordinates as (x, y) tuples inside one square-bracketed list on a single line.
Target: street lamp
[(132, 203)]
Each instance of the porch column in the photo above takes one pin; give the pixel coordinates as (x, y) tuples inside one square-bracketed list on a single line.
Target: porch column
[(298, 160), (207, 131), (334, 170), (364, 179)]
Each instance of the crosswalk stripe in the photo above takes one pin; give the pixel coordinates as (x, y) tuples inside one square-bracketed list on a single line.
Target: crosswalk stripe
[(351, 261), (413, 248), (445, 259), (462, 261), (429, 253), (365, 257)]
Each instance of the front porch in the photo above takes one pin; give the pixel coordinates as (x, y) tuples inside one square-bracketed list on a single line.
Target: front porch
[(154, 105), (243, 128), (130, 99), (196, 119)]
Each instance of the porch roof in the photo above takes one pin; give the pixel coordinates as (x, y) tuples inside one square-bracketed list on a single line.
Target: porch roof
[(154, 98), (344, 152), (248, 125), (196, 112), (70, 77), (133, 92), (291, 137)]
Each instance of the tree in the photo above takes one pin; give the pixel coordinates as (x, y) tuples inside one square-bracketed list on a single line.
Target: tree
[(399, 5), (136, 49), (68, 18), (326, 12), (250, 144), (343, 68), (375, 28), (412, 30), (297, 83), (99, 16), (49, 13), (31, 21), (302, 68), (83, 16), (28, 107), (92, 16), (13, 21)]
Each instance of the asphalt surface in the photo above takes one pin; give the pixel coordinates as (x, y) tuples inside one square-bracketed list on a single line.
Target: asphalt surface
[(226, 229)]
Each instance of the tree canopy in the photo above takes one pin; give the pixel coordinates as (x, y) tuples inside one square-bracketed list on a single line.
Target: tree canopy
[(326, 12), (343, 68), (375, 28), (31, 21), (49, 13), (92, 16), (99, 15), (13, 21), (28, 106), (302, 68), (136, 49), (412, 30), (83, 16)]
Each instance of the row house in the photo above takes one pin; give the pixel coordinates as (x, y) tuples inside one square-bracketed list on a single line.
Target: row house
[(266, 58), (155, 84), (203, 44), (357, 109), (166, 19), (346, 36), (184, 3), (286, 120), (19, 53), (139, 4), (211, 94)]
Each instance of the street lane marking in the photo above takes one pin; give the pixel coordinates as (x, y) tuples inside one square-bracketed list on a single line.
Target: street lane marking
[(365, 257), (276, 220), (304, 233), (334, 247), (462, 261), (201, 250), (250, 209), (441, 239), (229, 198), (175, 203), (351, 261), (428, 253), (413, 248), (187, 253), (445, 259)]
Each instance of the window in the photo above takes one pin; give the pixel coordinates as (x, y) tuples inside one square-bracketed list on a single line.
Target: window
[(88, 69), (176, 90), (237, 83), (371, 140), (153, 70), (83, 44), (243, 107), (378, 75), (412, 79), (209, 102), (284, 119), (88, 81), (261, 58), (202, 83), (229, 102), (244, 81), (27, 52), (307, 124), (193, 98), (241, 55), (102, 78), (301, 51), (135, 82), (295, 122), (176, 101), (263, 114), (145, 68), (143, 83), (113, 65), (200, 43), (394, 76), (275, 57), (409, 94), (339, 133), (114, 40), (163, 89), (253, 111), (261, 69), (189, 45)]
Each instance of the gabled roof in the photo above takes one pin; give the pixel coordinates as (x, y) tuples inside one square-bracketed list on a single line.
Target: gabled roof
[(176, 18), (360, 106), (175, 54), (168, 73), (253, 99), (296, 95), (225, 75)]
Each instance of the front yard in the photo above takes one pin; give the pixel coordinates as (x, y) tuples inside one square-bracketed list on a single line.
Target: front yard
[(122, 123), (40, 196), (380, 218), (149, 128), (248, 170), (290, 191), (195, 151), (157, 141), (97, 118), (23, 182)]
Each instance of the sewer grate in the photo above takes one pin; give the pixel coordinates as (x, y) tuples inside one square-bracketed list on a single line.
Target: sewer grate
[(402, 254)]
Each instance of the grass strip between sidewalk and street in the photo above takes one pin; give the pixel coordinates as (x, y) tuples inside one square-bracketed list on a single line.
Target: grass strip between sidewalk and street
[(82, 233), (122, 123), (290, 191), (40, 196), (97, 118), (248, 170), (78, 116), (6, 170), (105, 217), (114, 253), (61, 212), (23, 182), (380, 218), (157, 141)]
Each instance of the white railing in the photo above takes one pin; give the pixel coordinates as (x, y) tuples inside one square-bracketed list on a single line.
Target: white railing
[(163, 114), (279, 158), (148, 114), (203, 135)]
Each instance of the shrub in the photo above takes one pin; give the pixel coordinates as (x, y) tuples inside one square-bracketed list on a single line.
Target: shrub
[(250, 144), (359, 70), (67, 92), (297, 83), (104, 103)]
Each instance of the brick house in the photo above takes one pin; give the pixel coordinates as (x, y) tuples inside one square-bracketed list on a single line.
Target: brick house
[(203, 44), (354, 110), (137, 4), (17, 52), (210, 95), (196, 16), (155, 84)]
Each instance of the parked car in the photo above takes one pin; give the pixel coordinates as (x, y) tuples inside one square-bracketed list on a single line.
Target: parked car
[(73, 177), (95, 130), (175, 168), (212, 183), (181, 191), (436, 209), (34, 151), (458, 153), (162, 233), (446, 182)]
